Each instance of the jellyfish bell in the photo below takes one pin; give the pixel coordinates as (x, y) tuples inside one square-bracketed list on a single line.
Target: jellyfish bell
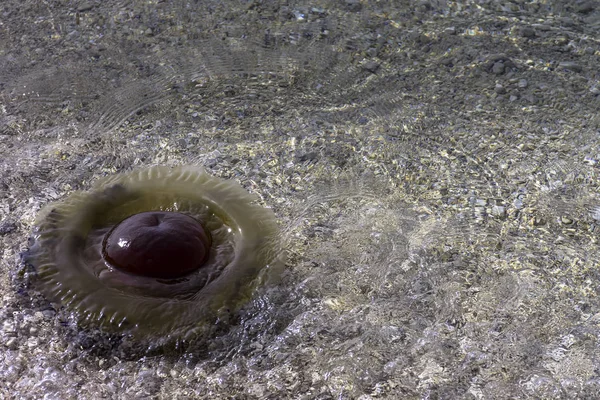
[(158, 244), (158, 252)]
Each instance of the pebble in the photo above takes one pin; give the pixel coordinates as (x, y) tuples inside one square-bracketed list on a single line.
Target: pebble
[(499, 64), (11, 343), (571, 66), (527, 32), (566, 220), (479, 202), (596, 213), (353, 5), (586, 7), (538, 221), (447, 61), (85, 7), (499, 212), (561, 41), (526, 146), (450, 30), (7, 227), (9, 328), (500, 89), (530, 97), (522, 83), (518, 203), (541, 27), (371, 66), (567, 21), (33, 342), (498, 68)]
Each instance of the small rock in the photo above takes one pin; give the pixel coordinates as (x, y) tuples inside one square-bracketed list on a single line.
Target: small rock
[(561, 41), (479, 202), (447, 61), (371, 66), (311, 156), (12, 343), (541, 27), (498, 68), (499, 64), (586, 7), (518, 203), (522, 83), (353, 5), (538, 221), (567, 21), (450, 30), (499, 212), (595, 90), (596, 213), (571, 66), (7, 227), (531, 98), (33, 342), (372, 52), (419, 38), (590, 160), (566, 220), (299, 15), (85, 6), (509, 7), (500, 89), (526, 146), (527, 32), (9, 328)]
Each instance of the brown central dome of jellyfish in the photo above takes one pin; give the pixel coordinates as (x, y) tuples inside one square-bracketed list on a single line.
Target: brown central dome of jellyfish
[(157, 244)]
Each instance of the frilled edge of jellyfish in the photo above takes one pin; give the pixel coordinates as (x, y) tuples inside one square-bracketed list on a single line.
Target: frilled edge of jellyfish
[(62, 229)]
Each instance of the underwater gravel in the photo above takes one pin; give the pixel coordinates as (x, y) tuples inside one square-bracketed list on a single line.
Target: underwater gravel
[(433, 166)]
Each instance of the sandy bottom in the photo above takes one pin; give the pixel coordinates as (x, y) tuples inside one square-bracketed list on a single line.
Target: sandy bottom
[(433, 167)]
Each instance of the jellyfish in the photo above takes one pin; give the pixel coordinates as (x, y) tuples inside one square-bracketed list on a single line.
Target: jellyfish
[(161, 252)]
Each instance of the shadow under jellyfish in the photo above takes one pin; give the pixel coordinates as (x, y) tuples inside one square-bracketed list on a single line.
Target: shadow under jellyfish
[(159, 252)]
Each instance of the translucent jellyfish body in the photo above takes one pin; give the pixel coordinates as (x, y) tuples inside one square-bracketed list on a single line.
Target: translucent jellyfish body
[(161, 251)]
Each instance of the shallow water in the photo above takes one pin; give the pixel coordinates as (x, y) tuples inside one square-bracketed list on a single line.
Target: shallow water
[(433, 167)]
